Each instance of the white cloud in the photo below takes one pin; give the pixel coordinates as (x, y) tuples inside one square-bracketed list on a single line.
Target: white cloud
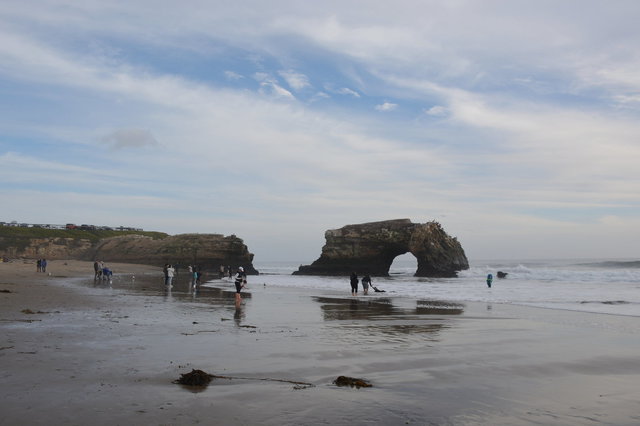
[(386, 106), (437, 111), (270, 86), (276, 90), (347, 91), (232, 75), (295, 80), (319, 96), (330, 87)]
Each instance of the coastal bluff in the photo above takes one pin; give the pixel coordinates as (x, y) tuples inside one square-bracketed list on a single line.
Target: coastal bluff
[(370, 248), (209, 251)]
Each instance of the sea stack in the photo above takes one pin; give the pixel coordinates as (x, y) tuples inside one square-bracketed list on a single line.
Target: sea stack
[(372, 247)]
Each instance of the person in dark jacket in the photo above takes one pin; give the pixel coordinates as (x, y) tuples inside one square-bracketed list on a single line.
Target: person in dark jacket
[(241, 281), (366, 282), (354, 284)]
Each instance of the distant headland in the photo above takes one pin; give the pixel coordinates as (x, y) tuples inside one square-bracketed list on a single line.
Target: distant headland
[(123, 244)]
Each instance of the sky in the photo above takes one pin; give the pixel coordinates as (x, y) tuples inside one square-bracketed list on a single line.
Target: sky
[(515, 124)]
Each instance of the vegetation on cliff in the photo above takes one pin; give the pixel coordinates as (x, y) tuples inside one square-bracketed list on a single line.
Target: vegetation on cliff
[(207, 251), (16, 234)]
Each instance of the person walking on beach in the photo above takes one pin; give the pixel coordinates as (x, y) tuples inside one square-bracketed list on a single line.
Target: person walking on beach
[(366, 282), (194, 276), (39, 264), (43, 265), (169, 274), (96, 270), (354, 284), (241, 281), (489, 280)]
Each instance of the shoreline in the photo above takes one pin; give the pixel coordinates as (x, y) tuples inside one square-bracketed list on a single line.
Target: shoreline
[(100, 354)]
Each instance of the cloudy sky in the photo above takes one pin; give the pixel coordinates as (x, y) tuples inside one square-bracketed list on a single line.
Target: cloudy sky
[(515, 124)]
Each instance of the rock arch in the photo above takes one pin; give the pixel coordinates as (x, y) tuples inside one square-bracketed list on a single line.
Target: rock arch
[(372, 247)]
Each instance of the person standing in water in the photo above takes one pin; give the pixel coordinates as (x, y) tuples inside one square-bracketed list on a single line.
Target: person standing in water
[(241, 281), (170, 274), (489, 280), (366, 282), (354, 284), (96, 269)]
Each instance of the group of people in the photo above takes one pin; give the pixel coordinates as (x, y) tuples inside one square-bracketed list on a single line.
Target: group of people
[(366, 283), (101, 271), (226, 271), (195, 273), (170, 271), (42, 265)]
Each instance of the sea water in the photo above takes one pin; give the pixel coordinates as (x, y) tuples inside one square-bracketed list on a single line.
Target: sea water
[(600, 286)]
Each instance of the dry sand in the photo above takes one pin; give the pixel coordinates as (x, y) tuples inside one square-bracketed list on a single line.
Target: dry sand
[(107, 353)]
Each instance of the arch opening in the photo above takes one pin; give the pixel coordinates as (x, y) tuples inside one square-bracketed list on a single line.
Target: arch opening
[(404, 264)]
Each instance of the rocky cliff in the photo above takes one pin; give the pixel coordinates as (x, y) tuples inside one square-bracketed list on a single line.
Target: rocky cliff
[(48, 248), (209, 251), (372, 247)]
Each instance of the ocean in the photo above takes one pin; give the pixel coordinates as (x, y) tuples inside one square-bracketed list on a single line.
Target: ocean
[(605, 286)]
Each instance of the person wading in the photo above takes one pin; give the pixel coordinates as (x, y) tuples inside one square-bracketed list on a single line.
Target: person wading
[(354, 284), (241, 281)]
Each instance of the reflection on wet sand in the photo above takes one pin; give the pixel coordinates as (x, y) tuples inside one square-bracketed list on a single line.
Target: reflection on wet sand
[(383, 308), (350, 308), (387, 322), (438, 307), (182, 290), (238, 315)]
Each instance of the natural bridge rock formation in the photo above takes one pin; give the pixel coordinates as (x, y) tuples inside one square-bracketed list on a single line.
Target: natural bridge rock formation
[(371, 247)]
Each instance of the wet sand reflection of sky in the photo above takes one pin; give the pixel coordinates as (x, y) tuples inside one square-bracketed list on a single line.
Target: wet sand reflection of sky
[(380, 321), (382, 308), (182, 291)]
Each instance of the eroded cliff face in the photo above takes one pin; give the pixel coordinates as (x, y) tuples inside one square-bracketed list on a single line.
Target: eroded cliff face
[(438, 254), (45, 248), (209, 251), (372, 247)]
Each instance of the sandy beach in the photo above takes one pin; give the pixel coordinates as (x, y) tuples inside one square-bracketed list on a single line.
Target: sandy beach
[(75, 351)]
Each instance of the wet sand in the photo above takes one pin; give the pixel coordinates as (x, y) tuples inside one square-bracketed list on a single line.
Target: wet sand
[(107, 353)]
